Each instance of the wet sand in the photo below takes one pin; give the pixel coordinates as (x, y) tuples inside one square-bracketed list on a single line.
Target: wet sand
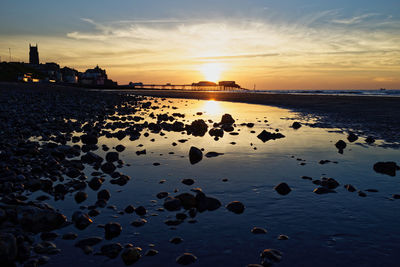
[(367, 115)]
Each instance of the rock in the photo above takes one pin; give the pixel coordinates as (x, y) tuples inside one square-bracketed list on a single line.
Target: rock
[(370, 140), (212, 203), (329, 183), (73, 173), (162, 195), (282, 189), (372, 190), (112, 230), (111, 250), (104, 194), (352, 137), (80, 197), (141, 211), (48, 236), (216, 132), (95, 183), (187, 181), (341, 145), (108, 167), (323, 190), (198, 128), (227, 119), (188, 200), (81, 220), (362, 194), (269, 256), (396, 196), (112, 156), (296, 125), (266, 136), (130, 255), (94, 213), (130, 209), (235, 207), (388, 168), (90, 241), (283, 237), (181, 216), (258, 230), (120, 148), (195, 155), (138, 222), (186, 259), (35, 219), (213, 154), (8, 249), (151, 252), (89, 139), (350, 188), (176, 240), (69, 236)]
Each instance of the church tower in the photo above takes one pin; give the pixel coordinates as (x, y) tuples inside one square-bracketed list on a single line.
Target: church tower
[(33, 55)]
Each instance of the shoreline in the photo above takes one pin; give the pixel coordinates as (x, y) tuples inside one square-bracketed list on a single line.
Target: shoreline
[(375, 116), (367, 115)]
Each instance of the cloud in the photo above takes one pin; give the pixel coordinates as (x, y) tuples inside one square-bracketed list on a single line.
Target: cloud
[(240, 56), (354, 20)]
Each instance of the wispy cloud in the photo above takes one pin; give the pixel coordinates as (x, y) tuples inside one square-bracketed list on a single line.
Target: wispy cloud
[(354, 20)]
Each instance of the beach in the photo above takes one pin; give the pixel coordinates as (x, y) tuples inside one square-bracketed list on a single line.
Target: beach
[(368, 115), (147, 178)]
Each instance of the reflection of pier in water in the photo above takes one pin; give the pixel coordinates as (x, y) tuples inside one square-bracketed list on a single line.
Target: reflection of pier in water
[(189, 87)]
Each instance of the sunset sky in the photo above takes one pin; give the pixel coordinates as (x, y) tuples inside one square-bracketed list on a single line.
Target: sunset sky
[(285, 44)]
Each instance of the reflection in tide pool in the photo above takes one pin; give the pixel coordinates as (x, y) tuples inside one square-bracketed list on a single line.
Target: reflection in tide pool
[(213, 107), (339, 229)]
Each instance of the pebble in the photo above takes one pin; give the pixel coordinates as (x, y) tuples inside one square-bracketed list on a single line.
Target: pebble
[(186, 259), (236, 207)]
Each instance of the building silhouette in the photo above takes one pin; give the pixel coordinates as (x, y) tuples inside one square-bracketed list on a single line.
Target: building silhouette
[(33, 55)]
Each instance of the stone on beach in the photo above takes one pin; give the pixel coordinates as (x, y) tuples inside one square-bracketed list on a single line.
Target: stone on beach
[(388, 168), (186, 259), (236, 207), (195, 155), (112, 230), (266, 136), (282, 189)]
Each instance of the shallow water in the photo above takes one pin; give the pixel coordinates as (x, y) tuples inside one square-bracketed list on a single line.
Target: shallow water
[(339, 229)]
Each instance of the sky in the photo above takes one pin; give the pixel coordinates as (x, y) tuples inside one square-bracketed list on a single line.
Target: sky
[(266, 44)]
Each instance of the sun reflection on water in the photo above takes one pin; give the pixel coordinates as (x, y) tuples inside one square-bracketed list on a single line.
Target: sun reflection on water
[(212, 107)]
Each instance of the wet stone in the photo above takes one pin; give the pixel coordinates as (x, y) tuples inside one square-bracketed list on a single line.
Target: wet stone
[(186, 259), (90, 241), (323, 190), (282, 189), (195, 155), (112, 230), (129, 209), (162, 195), (80, 197), (111, 250), (151, 252), (188, 181), (172, 204), (138, 222), (236, 207), (258, 230), (283, 237), (104, 194), (350, 188), (69, 236), (141, 211), (176, 240), (130, 255)]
